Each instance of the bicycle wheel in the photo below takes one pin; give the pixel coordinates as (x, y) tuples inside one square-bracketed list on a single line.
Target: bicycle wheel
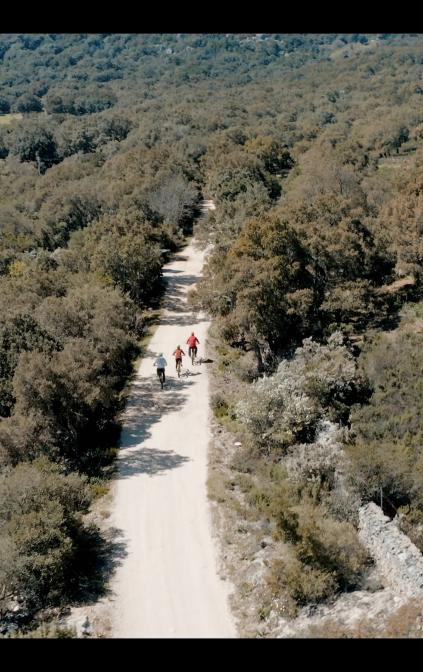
[(161, 379), (178, 368)]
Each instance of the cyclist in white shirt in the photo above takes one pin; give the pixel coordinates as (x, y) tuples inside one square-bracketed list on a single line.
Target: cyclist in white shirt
[(160, 363)]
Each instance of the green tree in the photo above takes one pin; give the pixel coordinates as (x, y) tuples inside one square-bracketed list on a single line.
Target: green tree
[(39, 529)]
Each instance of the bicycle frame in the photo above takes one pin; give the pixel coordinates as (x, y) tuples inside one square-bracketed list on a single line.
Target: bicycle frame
[(161, 377)]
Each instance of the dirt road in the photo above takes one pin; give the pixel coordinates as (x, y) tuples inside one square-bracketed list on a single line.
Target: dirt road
[(167, 584)]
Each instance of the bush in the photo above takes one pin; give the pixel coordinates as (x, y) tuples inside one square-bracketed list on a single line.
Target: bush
[(47, 631), (247, 368), (219, 405), (32, 140), (285, 408), (29, 103), (329, 547), (39, 531), (74, 100), (384, 446), (303, 584), (312, 466), (4, 105)]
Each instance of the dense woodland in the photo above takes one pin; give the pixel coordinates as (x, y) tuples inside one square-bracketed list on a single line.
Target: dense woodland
[(312, 148)]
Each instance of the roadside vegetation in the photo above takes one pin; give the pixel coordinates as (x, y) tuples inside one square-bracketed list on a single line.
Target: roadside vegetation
[(107, 144)]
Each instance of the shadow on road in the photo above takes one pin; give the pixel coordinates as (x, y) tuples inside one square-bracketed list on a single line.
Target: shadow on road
[(146, 406), (150, 461), (186, 279), (176, 290), (100, 553), (181, 319), (180, 257)]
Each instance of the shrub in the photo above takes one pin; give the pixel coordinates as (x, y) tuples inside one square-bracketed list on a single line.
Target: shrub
[(4, 105), (312, 466), (39, 529), (320, 543), (410, 521), (28, 103), (384, 446), (343, 503), (303, 584), (219, 405), (246, 368), (53, 630), (286, 407), (331, 545)]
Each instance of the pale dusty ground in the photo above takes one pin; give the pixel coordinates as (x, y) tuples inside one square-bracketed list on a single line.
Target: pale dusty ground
[(166, 583)]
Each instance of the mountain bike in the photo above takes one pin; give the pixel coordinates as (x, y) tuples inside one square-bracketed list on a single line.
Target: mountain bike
[(193, 354), (178, 367), (161, 375)]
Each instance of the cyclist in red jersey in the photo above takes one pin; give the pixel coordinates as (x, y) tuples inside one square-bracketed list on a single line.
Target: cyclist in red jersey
[(178, 355), (192, 344)]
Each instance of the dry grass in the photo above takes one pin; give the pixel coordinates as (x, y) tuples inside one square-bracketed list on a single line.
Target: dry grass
[(406, 622), (244, 558), (397, 285), (352, 49), (6, 119)]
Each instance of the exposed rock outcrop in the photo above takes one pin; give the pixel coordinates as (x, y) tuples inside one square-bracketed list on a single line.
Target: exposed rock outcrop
[(397, 559)]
